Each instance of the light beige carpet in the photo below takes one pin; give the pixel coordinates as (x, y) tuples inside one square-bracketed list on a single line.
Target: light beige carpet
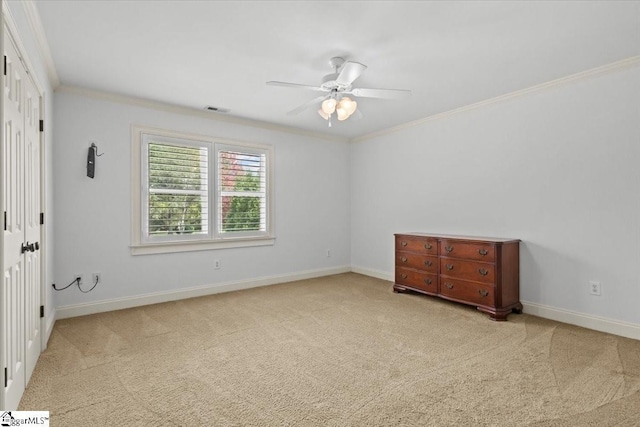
[(336, 351)]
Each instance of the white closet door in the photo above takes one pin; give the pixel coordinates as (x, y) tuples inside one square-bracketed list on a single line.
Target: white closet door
[(21, 239), (14, 236), (33, 260)]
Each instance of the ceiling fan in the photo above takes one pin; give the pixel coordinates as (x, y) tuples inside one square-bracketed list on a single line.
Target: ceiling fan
[(336, 86)]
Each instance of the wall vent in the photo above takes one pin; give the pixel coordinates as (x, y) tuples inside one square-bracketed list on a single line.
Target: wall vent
[(216, 109)]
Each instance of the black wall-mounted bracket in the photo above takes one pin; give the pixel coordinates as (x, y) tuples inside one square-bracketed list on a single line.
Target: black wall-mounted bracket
[(91, 159)]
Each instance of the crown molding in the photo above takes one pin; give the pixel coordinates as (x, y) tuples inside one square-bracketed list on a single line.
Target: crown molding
[(598, 71), (33, 16), (177, 109)]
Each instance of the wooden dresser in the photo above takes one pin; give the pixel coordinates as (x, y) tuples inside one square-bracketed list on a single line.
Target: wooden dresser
[(479, 271)]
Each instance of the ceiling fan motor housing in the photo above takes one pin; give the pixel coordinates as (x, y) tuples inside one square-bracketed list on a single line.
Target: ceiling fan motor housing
[(329, 84)]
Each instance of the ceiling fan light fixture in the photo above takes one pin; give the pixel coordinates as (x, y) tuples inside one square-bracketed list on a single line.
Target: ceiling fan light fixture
[(343, 114), (329, 106), (323, 114), (349, 105)]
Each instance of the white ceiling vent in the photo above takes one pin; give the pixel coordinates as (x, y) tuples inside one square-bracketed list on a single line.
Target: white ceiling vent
[(216, 109)]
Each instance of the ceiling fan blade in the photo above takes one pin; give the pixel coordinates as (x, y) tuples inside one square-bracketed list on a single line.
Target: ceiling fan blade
[(381, 93), (295, 85), (307, 105), (349, 72)]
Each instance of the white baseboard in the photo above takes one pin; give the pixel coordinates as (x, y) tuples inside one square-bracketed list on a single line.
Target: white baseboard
[(51, 320), (158, 297), (629, 330), (602, 324), (615, 327), (373, 273)]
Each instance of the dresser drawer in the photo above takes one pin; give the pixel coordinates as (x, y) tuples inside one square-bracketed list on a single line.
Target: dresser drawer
[(467, 270), (424, 245), (475, 251), (417, 261), (468, 291), (417, 279)]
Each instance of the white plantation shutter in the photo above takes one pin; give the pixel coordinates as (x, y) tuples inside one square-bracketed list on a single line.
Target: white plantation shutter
[(177, 204), (242, 191)]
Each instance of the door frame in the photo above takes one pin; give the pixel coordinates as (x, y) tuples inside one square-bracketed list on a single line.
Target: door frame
[(8, 23)]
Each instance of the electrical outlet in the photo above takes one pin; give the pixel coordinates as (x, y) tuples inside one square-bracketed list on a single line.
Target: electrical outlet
[(96, 278), (595, 288), (328, 253), (216, 264), (81, 276)]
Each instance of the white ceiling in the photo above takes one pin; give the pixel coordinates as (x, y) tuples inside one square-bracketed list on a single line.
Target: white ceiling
[(449, 54)]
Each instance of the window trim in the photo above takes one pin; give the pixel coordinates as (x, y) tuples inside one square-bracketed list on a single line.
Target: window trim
[(141, 246)]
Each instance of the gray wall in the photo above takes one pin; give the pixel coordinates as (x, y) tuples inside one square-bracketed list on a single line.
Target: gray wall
[(93, 215), (557, 168)]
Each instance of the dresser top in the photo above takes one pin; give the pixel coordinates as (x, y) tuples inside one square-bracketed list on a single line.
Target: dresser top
[(460, 237)]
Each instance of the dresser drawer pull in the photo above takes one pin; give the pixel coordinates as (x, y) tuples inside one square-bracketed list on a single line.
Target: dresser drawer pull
[(448, 285), (427, 281), (427, 246), (449, 266), (483, 272), (483, 293), (403, 259), (428, 263), (403, 243), (448, 248), (483, 252), (404, 276)]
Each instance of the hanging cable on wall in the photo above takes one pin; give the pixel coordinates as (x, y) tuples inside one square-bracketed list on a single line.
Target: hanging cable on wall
[(77, 281)]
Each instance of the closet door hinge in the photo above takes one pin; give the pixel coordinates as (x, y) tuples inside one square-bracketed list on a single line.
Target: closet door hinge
[(5, 65), (6, 379), (41, 311), (5, 220), (41, 218), (41, 125)]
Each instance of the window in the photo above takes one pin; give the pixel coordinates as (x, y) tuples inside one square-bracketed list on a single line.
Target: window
[(241, 190), (176, 200), (194, 192)]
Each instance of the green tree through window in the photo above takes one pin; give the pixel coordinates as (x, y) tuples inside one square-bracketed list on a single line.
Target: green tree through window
[(242, 191), (177, 189), (243, 212)]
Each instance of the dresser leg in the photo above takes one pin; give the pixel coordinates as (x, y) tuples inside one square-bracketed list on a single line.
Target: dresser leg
[(398, 289), (499, 317)]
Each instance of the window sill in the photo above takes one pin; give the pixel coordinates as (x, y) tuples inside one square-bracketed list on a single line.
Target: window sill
[(189, 246)]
